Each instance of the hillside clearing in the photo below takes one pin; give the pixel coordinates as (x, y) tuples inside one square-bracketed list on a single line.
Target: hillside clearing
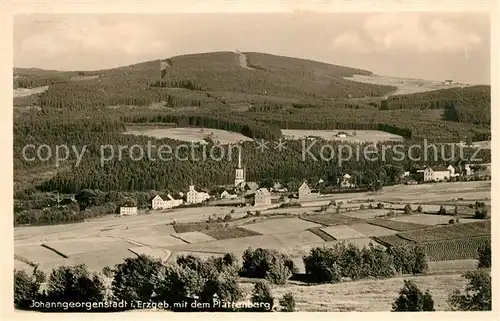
[(404, 85), (352, 135), (191, 134)]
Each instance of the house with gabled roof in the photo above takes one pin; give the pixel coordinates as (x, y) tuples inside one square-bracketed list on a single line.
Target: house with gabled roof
[(262, 197), (436, 174)]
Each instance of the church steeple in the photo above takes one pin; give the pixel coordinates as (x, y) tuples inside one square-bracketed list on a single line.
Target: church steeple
[(239, 172)]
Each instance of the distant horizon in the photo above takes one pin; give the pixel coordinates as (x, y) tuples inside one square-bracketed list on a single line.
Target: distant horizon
[(427, 46)]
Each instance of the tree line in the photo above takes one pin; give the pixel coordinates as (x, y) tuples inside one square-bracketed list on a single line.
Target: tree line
[(201, 283)]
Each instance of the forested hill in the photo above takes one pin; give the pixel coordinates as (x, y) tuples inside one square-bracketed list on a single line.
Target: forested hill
[(254, 94)]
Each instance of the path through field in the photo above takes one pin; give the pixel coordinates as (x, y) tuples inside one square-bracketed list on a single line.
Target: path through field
[(243, 60)]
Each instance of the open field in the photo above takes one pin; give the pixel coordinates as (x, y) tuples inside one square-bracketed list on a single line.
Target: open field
[(396, 225), (352, 135), (280, 225), (366, 295), (342, 232), (80, 246), (97, 260), (366, 214), (452, 266), (330, 219), (430, 219), (108, 240), (23, 92), (193, 237), (371, 230), (404, 85), (192, 134)]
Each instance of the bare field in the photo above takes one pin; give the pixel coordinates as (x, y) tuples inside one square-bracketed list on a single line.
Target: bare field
[(192, 134), (352, 135), (80, 246), (97, 260), (404, 85), (158, 241), (23, 92), (342, 232), (372, 230), (429, 219), (280, 225), (366, 214)]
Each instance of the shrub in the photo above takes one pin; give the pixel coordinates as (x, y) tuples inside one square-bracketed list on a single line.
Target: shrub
[(177, 284), (107, 272), (411, 299), (408, 209), (225, 285), (370, 206), (232, 211), (75, 284), (261, 294), (481, 211), (390, 214), (27, 288), (419, 209), (484, 256), (228, 218), (409, 259), (278, 272), (362, 207), (321, 265), (287, 302), (452, 221), (135, 278), (264, 263), (338, 209), (442, 210), (477, 295), (380, 205)]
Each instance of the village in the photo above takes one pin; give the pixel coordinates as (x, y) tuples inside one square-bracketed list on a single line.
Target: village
[(249, 193)]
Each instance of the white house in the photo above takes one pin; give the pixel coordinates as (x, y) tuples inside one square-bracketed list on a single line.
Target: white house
[(227, 195), (468, 170), (193, 196), (159, 203), (438, 173), (128, 210), (341, 134), (452, 170), (346, 181), (262, 197), (304, 191)]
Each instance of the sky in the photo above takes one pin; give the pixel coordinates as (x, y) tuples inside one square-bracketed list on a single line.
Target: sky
[(433, 46)]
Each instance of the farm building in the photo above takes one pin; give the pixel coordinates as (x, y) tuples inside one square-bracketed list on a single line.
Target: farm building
[(304, 191), (227, 195), (448, 82), (158, 202), (341, 134), (128, 210), (345, 181), (262, 197), (251, 187), (438, 173), (193, 196)]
